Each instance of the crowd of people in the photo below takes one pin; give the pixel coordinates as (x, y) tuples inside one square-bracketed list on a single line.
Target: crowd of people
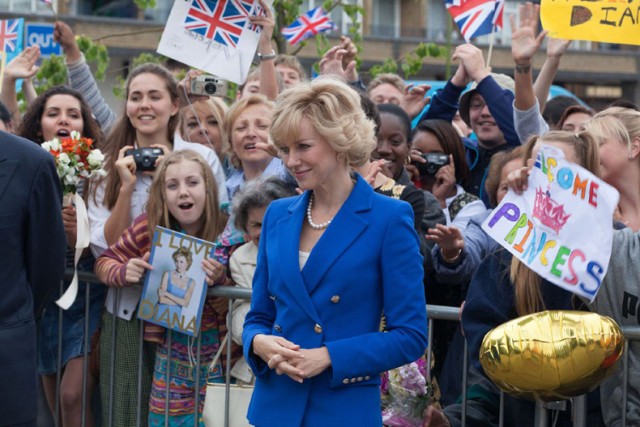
[(321, 197)]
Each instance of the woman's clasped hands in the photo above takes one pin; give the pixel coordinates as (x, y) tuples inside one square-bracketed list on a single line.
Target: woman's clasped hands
[(289, 359)]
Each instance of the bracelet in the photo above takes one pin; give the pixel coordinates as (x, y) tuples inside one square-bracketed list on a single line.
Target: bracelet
[(452, 259), (268, 56)]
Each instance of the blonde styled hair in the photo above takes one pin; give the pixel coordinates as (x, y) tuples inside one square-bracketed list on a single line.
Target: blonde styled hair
[(232, 115), (213, 105), (526, 283), (620, 123), (183, 252), (334, 110), (157, 212)]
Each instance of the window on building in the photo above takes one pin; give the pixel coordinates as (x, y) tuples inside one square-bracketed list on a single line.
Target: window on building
[(30, 6), (385, 18)]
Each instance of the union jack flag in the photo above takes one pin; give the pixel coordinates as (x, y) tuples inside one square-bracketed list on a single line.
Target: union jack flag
[(245, 8), (258, 12), (498, 13), (311, 23), (10, 35), (476, 17), (219, 20)]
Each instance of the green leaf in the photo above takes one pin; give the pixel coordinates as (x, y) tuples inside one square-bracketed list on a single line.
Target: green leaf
[(434, 50)]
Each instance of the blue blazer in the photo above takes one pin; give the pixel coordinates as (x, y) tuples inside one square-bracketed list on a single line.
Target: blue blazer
[(367, 262), (32, 261)]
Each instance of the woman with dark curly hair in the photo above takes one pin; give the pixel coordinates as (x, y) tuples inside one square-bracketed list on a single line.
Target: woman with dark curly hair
[(55, 114)]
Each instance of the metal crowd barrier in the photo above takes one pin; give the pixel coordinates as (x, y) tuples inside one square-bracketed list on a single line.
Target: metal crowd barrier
[(434, 312)]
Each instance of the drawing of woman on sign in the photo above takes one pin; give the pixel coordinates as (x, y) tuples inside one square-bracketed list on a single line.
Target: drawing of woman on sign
[(176, 287)]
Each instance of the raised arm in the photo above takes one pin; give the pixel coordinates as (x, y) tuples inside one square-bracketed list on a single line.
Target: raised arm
[(81, 78), (555, 49), (525, 42), (268, 74), (22, 66)]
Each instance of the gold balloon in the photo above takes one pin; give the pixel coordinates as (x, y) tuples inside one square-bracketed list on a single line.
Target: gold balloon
[(552, 355)]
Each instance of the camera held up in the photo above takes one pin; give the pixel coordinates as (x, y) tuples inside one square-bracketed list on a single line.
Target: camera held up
[(208, 85)]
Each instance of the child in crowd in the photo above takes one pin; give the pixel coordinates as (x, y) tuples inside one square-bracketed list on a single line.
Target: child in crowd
[(183, 178), (149, 121), (249, 206), (504, 288)]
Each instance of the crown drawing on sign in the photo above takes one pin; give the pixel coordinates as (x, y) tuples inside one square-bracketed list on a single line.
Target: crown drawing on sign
[(549, 212)]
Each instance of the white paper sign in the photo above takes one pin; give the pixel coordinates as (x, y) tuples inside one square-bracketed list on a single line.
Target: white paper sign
[(561, 226), (215, 36)]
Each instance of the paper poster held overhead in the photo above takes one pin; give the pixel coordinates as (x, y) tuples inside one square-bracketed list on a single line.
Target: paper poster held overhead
[(215, 36), (600, 21)]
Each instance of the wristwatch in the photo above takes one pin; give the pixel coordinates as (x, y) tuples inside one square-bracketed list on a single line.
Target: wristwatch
[(267, 56)]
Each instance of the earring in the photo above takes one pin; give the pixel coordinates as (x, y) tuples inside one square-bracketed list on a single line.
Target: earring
[(631, 157), (407, 160)]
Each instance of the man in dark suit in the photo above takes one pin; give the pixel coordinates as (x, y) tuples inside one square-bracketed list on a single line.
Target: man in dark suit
[(32, 262)]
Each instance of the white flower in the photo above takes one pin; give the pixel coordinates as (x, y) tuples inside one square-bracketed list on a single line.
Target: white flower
[(55, 144), (71, 180), (75, 135), (63, 158), (95, 158), (46, 145), (99, 173)]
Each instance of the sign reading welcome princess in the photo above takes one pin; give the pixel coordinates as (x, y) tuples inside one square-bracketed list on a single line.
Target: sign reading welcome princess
[(561, 226)]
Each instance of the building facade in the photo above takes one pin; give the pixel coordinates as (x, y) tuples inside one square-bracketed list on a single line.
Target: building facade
[(596, 72)]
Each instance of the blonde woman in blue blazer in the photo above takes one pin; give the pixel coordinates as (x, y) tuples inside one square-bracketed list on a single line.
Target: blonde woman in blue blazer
[(330, 262)]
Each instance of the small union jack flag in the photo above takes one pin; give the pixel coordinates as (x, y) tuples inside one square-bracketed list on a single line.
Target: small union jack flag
[(311, 23), (10, 35), (245, 8), (219, 20), (498, 13), (476, 17), (258, 12)]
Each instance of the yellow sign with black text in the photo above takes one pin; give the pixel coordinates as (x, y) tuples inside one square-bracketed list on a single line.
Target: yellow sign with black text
[(609, 21)]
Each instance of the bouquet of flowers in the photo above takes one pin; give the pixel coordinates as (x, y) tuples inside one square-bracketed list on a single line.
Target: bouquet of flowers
[(75, 160), (406, 393)]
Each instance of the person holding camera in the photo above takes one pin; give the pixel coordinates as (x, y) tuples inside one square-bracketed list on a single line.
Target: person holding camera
[(138, 140), (438, 162), (81, 79)]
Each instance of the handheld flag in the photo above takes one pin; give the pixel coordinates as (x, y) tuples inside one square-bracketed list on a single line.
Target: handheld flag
[(311, 23), (476, 17), (11, 35)]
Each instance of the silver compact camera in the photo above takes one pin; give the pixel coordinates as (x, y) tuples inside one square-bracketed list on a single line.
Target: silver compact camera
[(208, 85)]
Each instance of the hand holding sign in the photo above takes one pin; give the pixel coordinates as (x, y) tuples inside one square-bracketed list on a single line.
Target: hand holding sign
[(544, 227)]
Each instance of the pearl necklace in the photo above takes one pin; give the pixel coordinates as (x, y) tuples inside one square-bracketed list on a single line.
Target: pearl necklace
[(310, 220)]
